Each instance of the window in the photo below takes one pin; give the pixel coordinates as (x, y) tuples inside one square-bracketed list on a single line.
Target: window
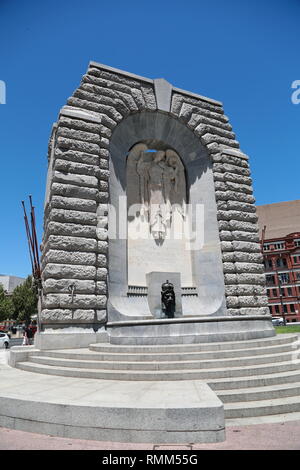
[(277, 309), (270, 279), (289, 291), (285, 308), (292, 308), (280, 262), (284, 278), (274, 292), (279, 246), (297, 242), (270, 264)]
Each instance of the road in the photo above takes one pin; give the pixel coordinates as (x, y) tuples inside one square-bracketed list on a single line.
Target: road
[(15, 342)]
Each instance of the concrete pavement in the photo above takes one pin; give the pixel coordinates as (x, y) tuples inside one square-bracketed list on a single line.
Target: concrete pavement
[(278, 436)]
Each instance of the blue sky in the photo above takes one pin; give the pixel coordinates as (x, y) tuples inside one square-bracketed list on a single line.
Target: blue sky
[(244, 53)]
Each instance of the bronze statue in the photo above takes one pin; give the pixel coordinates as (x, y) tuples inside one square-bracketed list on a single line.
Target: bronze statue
[(168, 299)]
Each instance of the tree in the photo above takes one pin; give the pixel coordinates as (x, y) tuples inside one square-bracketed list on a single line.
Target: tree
[(24, 299), (6, 305)]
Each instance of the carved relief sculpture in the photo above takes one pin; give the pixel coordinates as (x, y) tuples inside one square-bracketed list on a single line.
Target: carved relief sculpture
[(162, 186)]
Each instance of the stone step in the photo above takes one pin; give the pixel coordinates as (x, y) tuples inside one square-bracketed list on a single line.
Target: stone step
[(186, 374), (163, 365), (169, 356), (183, 339), (277, 378), (266, 419), (259, 393), (199, 347), (262, 407)]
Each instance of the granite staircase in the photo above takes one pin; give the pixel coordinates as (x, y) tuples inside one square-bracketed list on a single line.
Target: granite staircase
[(253, 378)]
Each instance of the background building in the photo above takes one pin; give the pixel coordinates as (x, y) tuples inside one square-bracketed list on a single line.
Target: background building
[(279, 226), (10, 282)]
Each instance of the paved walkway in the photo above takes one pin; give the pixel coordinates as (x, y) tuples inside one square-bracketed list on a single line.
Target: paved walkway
[(279, 436)]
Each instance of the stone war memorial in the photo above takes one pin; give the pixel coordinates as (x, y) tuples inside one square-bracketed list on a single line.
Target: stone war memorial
[(153, 285)]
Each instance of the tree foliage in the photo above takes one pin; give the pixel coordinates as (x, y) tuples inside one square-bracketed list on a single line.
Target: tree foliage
[(6, 305), (24, 300)]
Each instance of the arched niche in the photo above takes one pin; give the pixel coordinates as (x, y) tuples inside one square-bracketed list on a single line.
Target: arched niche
[(203, 270)]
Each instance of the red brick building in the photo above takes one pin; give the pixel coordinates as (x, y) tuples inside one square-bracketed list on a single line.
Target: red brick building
[(282, 267), (280, 233)]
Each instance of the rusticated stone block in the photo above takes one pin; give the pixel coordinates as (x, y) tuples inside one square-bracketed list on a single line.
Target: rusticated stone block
[(248, 247), (69, 271), (253, 301), (243, 226), (251, 278), (67, 229), (226, 235), (245, 236), (101, 288), (72, 144), (255, 311), (74, 244), (76, 156), (83, 314), (101, 261), (73, 178), (245, 289), (102, 234), (227, 246), (230, 279), (75, 204), (77, 134), (69, 190), (79, 124), (68, 257), (249, 268), (229, 268), (101, 274), (56, 314), (234, 160), (239, 179), (243, 257), (232, 301), (229, 195), (102, 247), (81, 301), (62, 286), (74, 216), (78, 168)]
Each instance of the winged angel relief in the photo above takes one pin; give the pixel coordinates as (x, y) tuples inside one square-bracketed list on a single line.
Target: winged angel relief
[(162, 186)]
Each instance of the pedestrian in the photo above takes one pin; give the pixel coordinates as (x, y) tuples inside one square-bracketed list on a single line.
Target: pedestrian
[(30, 334), (25, 337)]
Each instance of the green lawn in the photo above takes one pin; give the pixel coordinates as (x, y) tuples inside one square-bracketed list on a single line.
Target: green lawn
[(287, 329)]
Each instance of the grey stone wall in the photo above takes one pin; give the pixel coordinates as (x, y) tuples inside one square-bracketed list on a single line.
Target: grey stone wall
[(75, 245)]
